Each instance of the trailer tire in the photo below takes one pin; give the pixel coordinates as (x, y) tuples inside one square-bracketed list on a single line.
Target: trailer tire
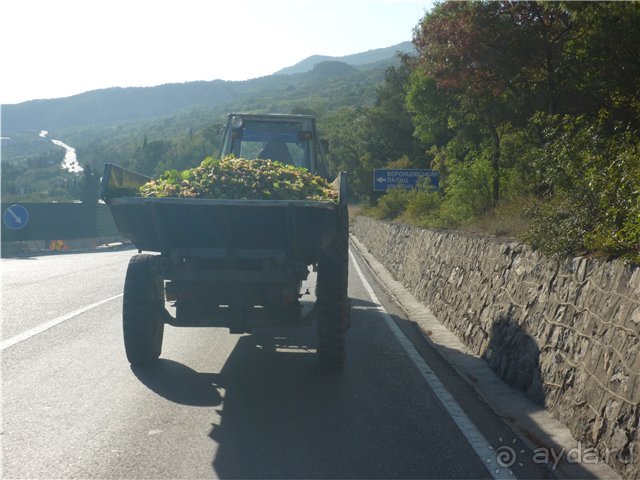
[(331, 294), (142, 304)]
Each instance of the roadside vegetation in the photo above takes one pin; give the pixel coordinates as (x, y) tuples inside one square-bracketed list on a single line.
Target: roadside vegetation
[(531, 114)]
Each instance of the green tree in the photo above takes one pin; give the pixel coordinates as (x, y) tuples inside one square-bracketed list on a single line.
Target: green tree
[(488, 65), (605, 61), (150, 158), (390, 126), (456, 46)]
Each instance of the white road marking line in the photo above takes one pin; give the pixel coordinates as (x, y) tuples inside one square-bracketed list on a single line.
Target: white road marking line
[(52, 323), (477, 441)]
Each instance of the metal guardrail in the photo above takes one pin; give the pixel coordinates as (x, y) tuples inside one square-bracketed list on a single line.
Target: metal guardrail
[(52, 221)]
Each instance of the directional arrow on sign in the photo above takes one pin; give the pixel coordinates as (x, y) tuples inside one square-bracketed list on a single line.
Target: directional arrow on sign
[(381, 179), (15, 217)]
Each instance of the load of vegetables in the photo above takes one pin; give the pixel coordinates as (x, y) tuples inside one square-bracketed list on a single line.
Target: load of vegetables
[(239, 178)]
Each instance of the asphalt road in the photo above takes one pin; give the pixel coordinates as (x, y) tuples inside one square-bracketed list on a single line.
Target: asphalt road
[(217, 405)]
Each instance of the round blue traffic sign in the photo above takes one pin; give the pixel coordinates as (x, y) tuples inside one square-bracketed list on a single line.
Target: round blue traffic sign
[(15, 217)]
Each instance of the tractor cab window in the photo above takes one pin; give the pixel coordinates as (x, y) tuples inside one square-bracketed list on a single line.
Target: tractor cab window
[(285, 142)]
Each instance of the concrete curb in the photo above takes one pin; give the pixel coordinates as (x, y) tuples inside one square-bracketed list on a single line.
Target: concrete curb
[(535, 425)]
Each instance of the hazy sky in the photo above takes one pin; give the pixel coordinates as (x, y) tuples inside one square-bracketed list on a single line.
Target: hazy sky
[(57, 48)]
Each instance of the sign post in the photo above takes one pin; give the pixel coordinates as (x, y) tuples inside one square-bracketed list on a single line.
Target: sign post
[(405, 179)]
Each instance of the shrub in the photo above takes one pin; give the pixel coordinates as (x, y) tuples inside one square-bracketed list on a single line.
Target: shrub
[(423, 205), (510, 218), (559, 225), (468, 189), (591, 171), (391, 205)]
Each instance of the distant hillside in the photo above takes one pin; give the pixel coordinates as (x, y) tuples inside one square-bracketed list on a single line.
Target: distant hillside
[(115, 105), (370, 56), (332, 68)]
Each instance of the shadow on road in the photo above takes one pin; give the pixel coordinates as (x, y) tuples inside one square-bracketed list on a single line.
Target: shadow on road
[(281, 415), (180, 384), (286, 417)]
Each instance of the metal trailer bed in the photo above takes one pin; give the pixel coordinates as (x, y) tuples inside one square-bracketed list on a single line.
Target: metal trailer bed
[(229, 263)]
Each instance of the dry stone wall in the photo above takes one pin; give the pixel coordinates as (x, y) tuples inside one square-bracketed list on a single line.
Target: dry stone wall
[(565, 332)]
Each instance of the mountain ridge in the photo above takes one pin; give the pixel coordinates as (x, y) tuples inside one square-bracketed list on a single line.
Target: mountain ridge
[(355, 59), (118, 104)]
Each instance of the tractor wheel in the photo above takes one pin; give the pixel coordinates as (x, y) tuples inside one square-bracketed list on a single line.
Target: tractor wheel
[(142, 322)]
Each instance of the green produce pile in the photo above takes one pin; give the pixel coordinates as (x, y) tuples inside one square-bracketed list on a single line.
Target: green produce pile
[(239, 178)]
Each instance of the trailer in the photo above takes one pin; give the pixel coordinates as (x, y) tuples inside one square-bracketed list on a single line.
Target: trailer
[(237, 264)]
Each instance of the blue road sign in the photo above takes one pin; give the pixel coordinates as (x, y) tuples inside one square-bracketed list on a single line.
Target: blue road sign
[(406, 178), (15, 217)]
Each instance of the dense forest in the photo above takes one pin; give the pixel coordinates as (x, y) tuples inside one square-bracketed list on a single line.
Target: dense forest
[(530, 111)]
